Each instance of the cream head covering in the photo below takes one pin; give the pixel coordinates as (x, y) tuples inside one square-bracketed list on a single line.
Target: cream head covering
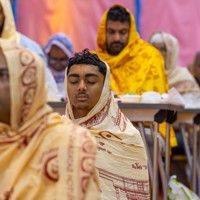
[(120, 147), (175, 74), (138, 68), (42, 156)]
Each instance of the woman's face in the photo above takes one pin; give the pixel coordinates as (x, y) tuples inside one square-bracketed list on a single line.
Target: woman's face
[(57, 59)]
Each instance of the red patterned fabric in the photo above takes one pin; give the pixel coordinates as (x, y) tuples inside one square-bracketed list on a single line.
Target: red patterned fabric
[(121, 158), (42, 156)]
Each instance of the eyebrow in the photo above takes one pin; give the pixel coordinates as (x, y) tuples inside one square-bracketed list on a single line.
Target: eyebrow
[(86, 75)]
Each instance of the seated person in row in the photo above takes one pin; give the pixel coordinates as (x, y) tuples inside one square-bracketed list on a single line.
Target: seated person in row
[(136, 67), (42, 156), (178, 77), (58, 50), (121, 158)]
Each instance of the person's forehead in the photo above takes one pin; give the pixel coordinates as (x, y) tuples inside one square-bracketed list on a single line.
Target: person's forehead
[(158, 43), (56, 50), (117, 24), (83, 69)]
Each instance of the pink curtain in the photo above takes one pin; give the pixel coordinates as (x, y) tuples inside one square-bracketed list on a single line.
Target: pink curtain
[(39, 19), (181, 18)]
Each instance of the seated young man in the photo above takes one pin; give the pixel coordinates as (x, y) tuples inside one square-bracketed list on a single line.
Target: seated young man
[(42, 156), (121, 158)]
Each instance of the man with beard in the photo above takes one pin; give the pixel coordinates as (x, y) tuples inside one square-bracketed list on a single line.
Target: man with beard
[(136, 66)]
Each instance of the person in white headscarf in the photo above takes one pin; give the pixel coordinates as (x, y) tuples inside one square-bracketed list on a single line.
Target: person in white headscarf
[(121, 158), (178, 77), (58, 50)]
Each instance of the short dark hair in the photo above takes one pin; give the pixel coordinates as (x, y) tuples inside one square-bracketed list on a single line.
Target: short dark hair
[(118, 13), (85, 57)]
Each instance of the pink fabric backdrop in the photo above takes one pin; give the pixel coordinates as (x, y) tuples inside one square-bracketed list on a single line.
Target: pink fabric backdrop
[(178, 17), (38, 19)]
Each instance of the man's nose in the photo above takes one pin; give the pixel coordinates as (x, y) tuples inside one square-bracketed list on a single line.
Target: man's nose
[(82, 86), (117, 37)]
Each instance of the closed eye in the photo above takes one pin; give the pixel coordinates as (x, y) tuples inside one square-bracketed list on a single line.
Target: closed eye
[(73, 80), (91, 82), (123, 32), (92, 79)]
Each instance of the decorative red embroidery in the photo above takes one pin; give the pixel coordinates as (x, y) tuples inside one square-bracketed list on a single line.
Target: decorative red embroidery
[(108, 135), (7, 195), (50, 164), (120, 120), (87, 164), (127, 187), (29, 76), (28, 81), (70, 167), (99, 117), (88, 146), (26, 58), (84, 183), (87, 161)]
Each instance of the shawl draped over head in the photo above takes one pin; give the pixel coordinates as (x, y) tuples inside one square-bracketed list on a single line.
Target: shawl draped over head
[(62, 41), (9, 29), (42, 156), (178, 77), (137, 68), (121, 158)]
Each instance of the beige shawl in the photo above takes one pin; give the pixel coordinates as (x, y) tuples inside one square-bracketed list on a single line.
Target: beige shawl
[(42, 156), (121, 159)]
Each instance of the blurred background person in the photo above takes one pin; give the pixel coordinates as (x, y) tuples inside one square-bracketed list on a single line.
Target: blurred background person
[(178, 77), (58, 50), (136, 67)]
